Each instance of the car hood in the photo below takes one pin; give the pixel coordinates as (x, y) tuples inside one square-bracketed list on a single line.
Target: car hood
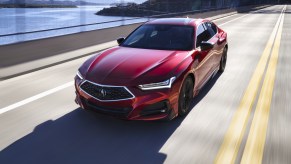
[(126, 66)]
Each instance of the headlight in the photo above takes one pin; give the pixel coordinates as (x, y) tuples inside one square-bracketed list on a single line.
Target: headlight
[(80, 75), (165, 84)]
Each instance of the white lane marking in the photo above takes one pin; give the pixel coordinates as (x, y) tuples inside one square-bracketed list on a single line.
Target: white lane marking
[(234, 19), (36, 97), (238, 17), (51, 91), (224, 17)]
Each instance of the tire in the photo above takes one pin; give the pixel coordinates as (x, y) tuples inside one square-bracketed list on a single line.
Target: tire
[(185, 96), (223, 60)]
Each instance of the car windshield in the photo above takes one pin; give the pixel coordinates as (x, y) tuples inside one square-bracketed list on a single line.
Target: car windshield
[(161, 37)]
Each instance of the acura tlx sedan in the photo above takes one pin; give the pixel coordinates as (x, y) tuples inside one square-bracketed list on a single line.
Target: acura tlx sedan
[(155, 72)]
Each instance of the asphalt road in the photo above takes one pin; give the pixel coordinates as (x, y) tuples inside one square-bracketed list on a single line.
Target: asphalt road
[(241, 116)]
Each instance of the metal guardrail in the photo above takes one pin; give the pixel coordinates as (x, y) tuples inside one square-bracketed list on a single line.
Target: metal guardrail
[(120, 20)]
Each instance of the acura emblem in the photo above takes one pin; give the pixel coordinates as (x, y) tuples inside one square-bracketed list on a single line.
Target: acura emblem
[(103, 92)]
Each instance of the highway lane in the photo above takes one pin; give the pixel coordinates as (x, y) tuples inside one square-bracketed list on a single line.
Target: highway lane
[(53, 129), (277, 147)]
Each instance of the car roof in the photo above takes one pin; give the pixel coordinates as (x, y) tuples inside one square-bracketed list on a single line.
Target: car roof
[(177, 21)]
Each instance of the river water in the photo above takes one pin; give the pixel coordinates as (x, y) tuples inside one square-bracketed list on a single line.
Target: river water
[(17, 20)]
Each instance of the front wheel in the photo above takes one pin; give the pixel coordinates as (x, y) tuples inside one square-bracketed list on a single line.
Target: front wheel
[(223, 60), (185, 96)]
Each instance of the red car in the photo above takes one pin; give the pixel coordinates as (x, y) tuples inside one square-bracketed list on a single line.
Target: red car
[(155, 72)]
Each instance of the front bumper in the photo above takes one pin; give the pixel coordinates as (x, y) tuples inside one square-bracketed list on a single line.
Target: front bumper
[(146, 105)]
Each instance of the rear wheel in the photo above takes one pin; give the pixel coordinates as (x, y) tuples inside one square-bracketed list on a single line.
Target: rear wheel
[(185, 96), (223, 60)]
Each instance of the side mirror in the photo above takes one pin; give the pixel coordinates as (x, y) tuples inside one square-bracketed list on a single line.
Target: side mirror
[(206, 46), (120, 40)]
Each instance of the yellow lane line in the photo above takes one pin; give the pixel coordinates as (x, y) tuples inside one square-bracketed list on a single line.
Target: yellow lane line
[(233, 137), (253, 153)]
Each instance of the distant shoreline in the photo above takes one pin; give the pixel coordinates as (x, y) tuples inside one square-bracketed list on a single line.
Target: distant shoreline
[(36, 6), (148, 8)]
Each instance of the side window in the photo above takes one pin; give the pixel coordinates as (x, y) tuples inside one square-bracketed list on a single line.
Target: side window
[(210, 29), (214, 28), (202, 34)]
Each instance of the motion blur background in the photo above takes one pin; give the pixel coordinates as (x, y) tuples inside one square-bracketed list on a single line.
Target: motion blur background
[(24, 20)]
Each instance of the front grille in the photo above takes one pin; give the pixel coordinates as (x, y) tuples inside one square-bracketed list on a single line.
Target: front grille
[(106, 93), (118, 112)]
